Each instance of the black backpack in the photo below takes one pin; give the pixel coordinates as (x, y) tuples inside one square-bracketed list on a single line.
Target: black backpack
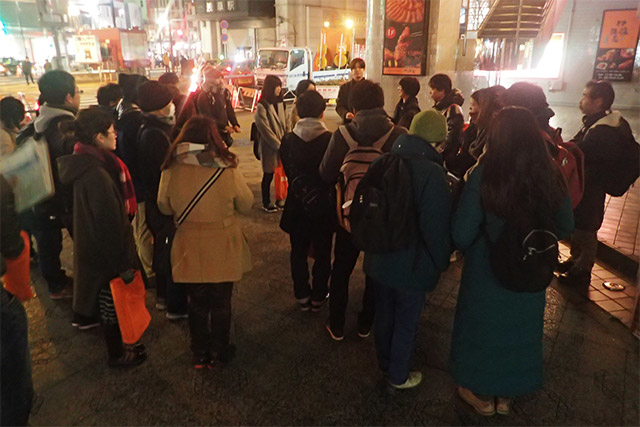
[(316, 196), (524, 257), (627, 170), (382, 214)]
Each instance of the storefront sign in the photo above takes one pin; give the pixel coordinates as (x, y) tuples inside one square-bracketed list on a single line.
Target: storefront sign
[(405, 38), (617, 48), (87, 49)]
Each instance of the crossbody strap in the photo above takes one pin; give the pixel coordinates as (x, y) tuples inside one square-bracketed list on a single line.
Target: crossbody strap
[(192, 204)]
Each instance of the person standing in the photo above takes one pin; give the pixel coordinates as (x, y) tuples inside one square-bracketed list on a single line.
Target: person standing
[(27, 70), (47, 66), (301, 152), (302, 87), (207, 271), (609, 148), (496, 347), (108, 97), (443, 94), (172, 81), (104, 248), (271, 123), (408, 106), (403, 278), (343, 103)]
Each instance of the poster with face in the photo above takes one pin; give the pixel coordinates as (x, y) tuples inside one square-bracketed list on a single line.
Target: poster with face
[(617, 48), (405, 38)]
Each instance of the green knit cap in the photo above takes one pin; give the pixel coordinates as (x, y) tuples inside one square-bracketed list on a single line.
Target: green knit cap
[(429, 125)]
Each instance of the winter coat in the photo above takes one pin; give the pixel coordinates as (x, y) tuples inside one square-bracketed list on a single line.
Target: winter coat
[(209, 246), (343, 105), (473, 142), (271, 122), (11, 243), (103, 244), (405, 110), (216, 105), (46, 126), (301, 153), (7, 140), (418, 267), (366, 127), (598, 139), (130, 118), (496, 347), (453, 97)]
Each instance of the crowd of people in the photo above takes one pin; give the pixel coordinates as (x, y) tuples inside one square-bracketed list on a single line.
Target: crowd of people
[(145, 181)]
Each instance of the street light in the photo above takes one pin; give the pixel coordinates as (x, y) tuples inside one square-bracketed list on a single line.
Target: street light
[(326, 24)]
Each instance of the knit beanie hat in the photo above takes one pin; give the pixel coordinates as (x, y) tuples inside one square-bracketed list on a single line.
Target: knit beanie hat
[(153, 96), (129, 83), (429, 125)]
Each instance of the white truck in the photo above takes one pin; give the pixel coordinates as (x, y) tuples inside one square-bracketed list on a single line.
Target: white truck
[(294, 64)]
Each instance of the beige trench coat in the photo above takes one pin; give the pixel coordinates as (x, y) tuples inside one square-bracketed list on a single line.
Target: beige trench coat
[(209, 246)]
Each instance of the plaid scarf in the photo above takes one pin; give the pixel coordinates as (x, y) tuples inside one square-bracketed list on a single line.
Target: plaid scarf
[(116, 168)]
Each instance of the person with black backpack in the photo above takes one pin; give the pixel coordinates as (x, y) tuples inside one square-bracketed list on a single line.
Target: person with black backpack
[(308, 214), (514, 208), (351, 149), (611, 166), (412, 178)]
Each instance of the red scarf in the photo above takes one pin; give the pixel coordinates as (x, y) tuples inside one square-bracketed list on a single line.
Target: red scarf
[(115, 167)]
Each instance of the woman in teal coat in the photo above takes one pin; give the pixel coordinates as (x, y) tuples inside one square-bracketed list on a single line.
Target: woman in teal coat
[(496, 349)]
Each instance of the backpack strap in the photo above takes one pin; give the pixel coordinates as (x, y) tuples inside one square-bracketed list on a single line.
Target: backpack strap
[(383, 139), (347, 137)]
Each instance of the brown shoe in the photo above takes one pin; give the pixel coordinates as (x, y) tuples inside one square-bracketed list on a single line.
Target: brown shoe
[(483, 407), (503, 404)]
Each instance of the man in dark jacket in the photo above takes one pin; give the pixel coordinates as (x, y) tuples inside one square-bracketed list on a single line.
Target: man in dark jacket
[(369, 124), (213, 100), (172, 81), (603, 133), (15, 377), (153, 145), (443, 93), (61, 98), (27, 70), (408, 106), (108, 97), (344, 110), (301, 152)]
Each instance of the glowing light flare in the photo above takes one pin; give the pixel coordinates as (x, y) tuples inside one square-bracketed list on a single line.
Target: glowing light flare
[(326, 24), (349, 23)]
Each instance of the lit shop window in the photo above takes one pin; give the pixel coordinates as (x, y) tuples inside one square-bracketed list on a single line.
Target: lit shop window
[(209, 7), (220, 6), (231, 5)]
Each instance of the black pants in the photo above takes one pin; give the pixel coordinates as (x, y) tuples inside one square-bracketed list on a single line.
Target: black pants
[(27, 75), (48, 234), (209, 316), (267, 178), (345, 258), (320, 241)]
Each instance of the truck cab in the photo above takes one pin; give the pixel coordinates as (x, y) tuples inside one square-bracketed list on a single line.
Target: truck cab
[(289, 64)]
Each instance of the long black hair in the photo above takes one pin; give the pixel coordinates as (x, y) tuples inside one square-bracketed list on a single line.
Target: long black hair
[(519, 177), (268, 90)]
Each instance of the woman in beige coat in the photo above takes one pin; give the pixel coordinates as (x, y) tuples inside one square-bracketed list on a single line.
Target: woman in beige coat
[(209, 250)]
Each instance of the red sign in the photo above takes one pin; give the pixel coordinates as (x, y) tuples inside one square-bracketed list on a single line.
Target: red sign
[(391, 33)]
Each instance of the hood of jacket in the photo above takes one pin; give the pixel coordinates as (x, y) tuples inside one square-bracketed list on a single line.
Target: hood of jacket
[(125, 108), (73, 166), (613, 119), (370, 125), (413, 145), (165, 124), (454, 97), (49, 112), (309, 128)]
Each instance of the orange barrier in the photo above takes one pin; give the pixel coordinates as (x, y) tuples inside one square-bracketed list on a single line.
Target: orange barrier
[(248, 97)]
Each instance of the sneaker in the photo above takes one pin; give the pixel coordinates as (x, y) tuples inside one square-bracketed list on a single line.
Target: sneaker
[(503, 405), (201, 362), (84, 323), (280, 205), (564, 266), (161, 304), (305, 306), (317, 305), (65, 293), (336, 333), (364, 329), (270, 209), (483, 407), (415, 378), (176, 316)]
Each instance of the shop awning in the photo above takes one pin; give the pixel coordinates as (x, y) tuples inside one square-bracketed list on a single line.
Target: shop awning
[(516, 19)]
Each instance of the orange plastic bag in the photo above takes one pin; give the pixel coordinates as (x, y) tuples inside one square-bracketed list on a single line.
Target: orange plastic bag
[(281, 183), (129, 301), (17, 278)]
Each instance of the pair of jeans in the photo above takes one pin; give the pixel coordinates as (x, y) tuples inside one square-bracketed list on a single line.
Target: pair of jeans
[(209, 316), (584, 248), (397, 315), (319, 240), (48, 233), (17, 385), (345, 258), (267, 178)]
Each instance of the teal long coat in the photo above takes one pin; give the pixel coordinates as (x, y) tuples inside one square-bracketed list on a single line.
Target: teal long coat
[(496, 348)]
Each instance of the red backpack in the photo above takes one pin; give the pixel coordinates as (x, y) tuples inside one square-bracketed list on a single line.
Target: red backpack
[(570, 159)]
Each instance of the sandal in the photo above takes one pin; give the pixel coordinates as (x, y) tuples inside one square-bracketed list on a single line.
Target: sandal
[(133, 355), (483, 407)]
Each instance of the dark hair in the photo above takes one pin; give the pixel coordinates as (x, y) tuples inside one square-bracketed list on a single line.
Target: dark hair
[(109, 93), (519, 179), (531, 97), (55, 85), (303, 85), (202, 130), (169, 79), (410, 86), (441, 82), (602, 90), (310, 104), (489, 101), (357, 62), (89, 123), (268, 90), (366, 95), (129, 83), (11, 112)]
